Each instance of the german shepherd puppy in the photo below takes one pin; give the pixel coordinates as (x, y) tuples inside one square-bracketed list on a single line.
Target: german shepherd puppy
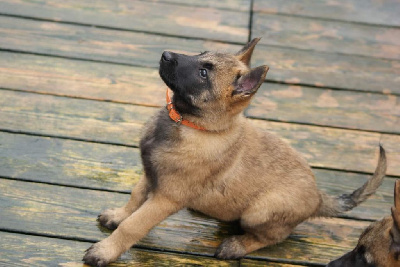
[(379, 244), (203, 154)]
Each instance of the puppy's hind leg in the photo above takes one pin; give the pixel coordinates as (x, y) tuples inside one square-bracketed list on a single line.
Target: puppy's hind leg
[(256, 237), (111, 218), (266, 222)]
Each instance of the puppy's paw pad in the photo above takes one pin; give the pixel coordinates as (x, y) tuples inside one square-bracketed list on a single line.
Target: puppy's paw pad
[(111, 218), (231, 248), (93, 258)]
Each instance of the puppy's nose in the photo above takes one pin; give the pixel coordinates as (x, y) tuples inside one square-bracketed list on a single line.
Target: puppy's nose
[(167, 56)]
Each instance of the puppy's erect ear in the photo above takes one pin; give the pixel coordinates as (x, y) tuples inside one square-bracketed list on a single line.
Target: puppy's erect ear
[(395, 231), (248, 83), (245, 53)]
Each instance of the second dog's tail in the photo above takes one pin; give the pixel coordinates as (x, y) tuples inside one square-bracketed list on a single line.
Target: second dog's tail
[(334, 206)]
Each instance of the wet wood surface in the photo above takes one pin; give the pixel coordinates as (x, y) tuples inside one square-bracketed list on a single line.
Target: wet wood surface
[(142, 86), (49, 208), (385, 12), (287, 65), (118, 168), (78, 79), (328, 36), (155, 17), (44, 251), (121, 124)]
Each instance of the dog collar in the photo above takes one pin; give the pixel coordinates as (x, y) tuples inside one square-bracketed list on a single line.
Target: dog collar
[(176, 117)]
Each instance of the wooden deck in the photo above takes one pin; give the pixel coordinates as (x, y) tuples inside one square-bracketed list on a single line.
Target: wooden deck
[(79, 78)]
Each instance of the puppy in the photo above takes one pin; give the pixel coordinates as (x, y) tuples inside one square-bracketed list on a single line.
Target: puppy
[(379, 244), (202, 153)]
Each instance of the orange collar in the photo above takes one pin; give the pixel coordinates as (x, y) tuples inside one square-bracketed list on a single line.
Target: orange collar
[(176, 117)]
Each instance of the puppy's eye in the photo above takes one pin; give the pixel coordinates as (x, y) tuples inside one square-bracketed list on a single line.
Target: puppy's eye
[(203, 73)]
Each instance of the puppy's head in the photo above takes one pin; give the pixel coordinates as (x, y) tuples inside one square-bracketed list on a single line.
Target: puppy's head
[(212, 84), (379, 244)]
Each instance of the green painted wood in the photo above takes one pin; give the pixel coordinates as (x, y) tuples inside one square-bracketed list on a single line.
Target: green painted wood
[(337, 148), (243, 5), (286, 65), (77, 118), (107, 167), (322, 69), (385, 12), (69, 162), (74, 78), (121, 124), (210, 23), (93, 43), (327, 36), (344, 109), (26, 250), (143, 86), (71, 212)]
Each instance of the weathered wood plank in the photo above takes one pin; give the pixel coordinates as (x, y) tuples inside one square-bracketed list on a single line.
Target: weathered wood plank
[(143, 86), (384, 12), (76, 118), (210, 23), (26, 250), (243, 5), (337, 148), (287, 65), (121, 124), (327, 36), (95, 43), (69, 162), (71, 212), (344, 109), (82, 79), (107, 167), (329, 70)]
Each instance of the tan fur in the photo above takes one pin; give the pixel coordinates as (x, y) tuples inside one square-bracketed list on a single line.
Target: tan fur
[(381, 240), (230, 172)]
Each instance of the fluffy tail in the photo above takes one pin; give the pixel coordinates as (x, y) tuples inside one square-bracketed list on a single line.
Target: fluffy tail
[(334, 206)]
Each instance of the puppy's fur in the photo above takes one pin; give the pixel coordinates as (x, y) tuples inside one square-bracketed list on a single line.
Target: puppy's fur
[(231, 171), (379, 244)]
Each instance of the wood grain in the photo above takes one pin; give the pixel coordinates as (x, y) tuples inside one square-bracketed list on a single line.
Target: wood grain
[(385, 12), (286, 65), (106, 167), (209, 23), (56, 186), (121, 124), (71, 212), (26, 250), (322, 69), (135, 85), (344, 109), (93, 43), (327, 36), (243, 5)]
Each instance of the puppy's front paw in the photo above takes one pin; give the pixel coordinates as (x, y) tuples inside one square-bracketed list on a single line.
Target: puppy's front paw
[(231, 248), (111, 218), (100, 254)]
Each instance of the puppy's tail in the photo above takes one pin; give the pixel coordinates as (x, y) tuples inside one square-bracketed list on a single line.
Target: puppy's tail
[(334, 206)]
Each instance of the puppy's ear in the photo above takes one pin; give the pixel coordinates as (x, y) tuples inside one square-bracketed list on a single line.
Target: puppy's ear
[(245, 53), (395, 231), (247, 84)]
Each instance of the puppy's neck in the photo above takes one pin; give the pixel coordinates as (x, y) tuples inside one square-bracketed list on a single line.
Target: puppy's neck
[(210, 122), (216, 122)]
